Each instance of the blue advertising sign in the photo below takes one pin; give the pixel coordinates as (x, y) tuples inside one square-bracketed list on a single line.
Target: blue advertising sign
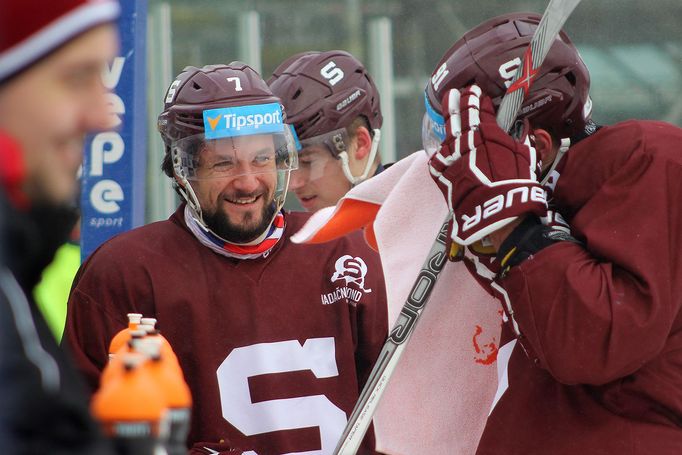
[(113, 179)]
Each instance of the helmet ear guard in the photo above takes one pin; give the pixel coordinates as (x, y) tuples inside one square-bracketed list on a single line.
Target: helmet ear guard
[(338, 143), (345, 165), (182, 185)]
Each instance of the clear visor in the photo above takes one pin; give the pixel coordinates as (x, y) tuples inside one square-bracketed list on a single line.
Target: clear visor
[(320, 152), (336, 141), (433, 128), (199, 158), (314, 162)]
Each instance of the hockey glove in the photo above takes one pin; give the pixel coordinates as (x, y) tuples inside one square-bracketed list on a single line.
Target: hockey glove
[(487, 177)]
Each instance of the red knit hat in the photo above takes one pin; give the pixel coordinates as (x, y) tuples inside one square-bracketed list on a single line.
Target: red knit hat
[(31, 29), (12, 171)]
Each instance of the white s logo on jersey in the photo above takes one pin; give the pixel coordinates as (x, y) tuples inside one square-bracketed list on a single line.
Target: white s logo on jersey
[(317, 355)]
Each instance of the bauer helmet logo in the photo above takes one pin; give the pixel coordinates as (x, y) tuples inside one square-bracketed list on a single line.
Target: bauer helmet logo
[(351, 98)]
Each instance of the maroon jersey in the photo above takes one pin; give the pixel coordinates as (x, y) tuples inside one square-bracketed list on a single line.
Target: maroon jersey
[(598, 367), (274, 349)]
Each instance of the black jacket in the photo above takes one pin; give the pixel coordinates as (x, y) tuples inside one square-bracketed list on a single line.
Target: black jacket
[(43, 409)]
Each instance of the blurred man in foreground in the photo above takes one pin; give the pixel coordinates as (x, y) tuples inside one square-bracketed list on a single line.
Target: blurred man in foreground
[(51, 95)]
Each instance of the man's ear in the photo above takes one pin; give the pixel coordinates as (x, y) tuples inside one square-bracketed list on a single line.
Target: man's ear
[(363, 142), (544, 145)]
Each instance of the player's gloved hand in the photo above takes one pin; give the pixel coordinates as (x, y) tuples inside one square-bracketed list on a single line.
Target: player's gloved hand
[(487, 177)]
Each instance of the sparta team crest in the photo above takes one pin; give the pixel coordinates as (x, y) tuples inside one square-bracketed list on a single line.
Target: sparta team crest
[(351, 272)]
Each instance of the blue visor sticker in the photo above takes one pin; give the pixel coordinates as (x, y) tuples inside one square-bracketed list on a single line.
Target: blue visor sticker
[(437, 120), (243, 121)]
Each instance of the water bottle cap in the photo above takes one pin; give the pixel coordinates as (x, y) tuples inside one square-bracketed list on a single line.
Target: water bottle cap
[(134, 317), (148, 321)]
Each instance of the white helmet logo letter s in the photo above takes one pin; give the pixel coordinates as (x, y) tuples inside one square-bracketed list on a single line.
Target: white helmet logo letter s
[(507, 70), (332, 73), (171, 91), (437, 78)]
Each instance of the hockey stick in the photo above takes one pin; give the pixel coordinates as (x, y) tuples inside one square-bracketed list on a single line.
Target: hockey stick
[(552, 20)]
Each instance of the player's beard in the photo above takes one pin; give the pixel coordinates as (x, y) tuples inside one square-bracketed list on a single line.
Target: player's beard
[(220, 224)]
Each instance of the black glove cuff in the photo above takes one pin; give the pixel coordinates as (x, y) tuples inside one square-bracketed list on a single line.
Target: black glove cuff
[(526, 239)]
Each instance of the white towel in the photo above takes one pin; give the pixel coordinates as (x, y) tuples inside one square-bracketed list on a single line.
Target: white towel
[(439, 396)]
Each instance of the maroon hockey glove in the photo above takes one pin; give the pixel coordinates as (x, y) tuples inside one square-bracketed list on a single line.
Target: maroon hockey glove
[(487, 177)]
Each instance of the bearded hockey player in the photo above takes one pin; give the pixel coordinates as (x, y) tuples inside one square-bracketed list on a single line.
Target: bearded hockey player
[(333, 104), (591, 356), (274, 339)]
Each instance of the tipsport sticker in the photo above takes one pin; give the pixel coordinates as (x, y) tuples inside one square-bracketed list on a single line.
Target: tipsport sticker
[(243, 121)]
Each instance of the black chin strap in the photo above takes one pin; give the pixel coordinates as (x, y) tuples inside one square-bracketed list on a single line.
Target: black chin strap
[(589, 130)]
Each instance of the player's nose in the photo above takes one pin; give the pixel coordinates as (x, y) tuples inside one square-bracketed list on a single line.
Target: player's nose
[(297, 180)]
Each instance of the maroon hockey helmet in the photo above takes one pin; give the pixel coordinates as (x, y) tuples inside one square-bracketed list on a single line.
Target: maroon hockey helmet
[(323, 94), (324, 91), (488, 56), (224, 107)]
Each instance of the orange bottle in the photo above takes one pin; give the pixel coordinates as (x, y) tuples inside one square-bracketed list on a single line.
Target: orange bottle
[(122, 337), (131, 408), (153, 332), (115, 364), (171, 382)]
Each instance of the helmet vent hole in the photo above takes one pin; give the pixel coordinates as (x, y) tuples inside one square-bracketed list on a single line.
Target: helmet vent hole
[(196, 86), (314, 119), (571, 78), (297, 94)]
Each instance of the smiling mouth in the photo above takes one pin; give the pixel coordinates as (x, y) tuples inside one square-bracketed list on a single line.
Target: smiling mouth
[(243, 200)]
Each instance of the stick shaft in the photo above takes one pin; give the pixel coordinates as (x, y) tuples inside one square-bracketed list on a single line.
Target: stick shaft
[(388, 358)]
